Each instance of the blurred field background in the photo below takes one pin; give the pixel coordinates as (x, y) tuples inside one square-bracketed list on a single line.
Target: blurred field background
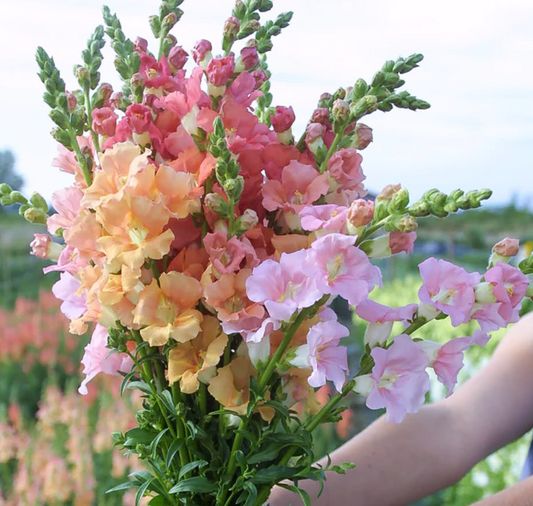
[(56, 446)]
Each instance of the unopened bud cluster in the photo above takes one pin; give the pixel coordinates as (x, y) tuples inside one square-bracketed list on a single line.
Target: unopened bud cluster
[(436, 203), (33, 210)]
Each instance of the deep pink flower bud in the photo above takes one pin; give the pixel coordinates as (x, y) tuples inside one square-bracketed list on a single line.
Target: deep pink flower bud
[(140, 45), (321, 115), (283, 119), (72, 101), (249, 57), (363, 136), (140, 117), (361, 212), (231, 27), (260, 77), (201, 48), (314, 131), (178, 57), (220, 70), (399, 242), (104, 121), (508, 247)]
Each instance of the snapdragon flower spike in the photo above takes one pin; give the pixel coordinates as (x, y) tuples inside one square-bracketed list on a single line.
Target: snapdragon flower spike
[(340, 268), (381, 319), (283, 287), (399, 381), (448, 288)]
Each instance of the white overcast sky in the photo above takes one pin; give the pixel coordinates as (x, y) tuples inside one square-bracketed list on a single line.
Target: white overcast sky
[(477, 75)]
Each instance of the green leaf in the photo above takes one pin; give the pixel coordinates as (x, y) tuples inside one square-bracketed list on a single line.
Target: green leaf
[(196, 484), (143, 436), (302, 493), (252, 493), (155, 442), (174, 448), (140, 385), (125, 382), (141, 491), (275, 474), (190, 466), (123, 486), (158, 500), (140, 476), (166, 398)]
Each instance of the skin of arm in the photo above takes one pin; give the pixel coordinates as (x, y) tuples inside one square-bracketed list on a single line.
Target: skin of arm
[(398, 464)]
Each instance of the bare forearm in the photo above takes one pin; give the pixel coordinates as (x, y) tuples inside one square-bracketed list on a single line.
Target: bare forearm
[(519, 495), (395, 464)]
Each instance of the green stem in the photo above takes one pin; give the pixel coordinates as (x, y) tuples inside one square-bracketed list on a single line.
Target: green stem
[(89, 109), (331, 150), (370, 230), (180, 428), (263, 380), (202, 398), (231, 224), (81, 159)]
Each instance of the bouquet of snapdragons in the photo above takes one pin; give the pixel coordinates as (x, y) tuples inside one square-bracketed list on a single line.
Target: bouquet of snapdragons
[(204, 244)]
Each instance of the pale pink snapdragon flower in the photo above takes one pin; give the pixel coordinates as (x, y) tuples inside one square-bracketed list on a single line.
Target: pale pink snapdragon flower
[(345, 169), (340, 268), (399, 381), (67, 203), (283, 287), (323, 354), (381, 318), (66, 289), (448, 288), (97, 359), (325, 217), (43, 247), (447, 359)]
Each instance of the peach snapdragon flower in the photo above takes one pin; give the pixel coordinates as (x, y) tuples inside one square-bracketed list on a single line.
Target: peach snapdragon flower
[(167, 309), (195, 360)]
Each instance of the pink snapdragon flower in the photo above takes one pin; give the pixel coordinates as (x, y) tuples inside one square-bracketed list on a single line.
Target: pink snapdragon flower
[(227, 256), (340, 268), (104, 121), (177, 57), (66, 289), (328, 360), (447, 359), (284, 287), (96, 359), (509, 287), (361, 212), (300, 186), (67, 203), (221, 70), (345, 168), (283, 119), (448, 288), (249, 57), (381, 319), (326, 217), (201, 50), (399, 381)]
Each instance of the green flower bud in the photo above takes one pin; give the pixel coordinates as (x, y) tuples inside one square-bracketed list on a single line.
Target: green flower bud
[(234, 187), (62, 137), (5, 200), (217, 203), (23, 209), (379, 79), (239, 10), (38, 201), (399, 201), (155, 25), (419, 209), (5, 189), (83, 76), (401, 223), (17, 197), (34, 215), (359, 90), (366, 105)]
